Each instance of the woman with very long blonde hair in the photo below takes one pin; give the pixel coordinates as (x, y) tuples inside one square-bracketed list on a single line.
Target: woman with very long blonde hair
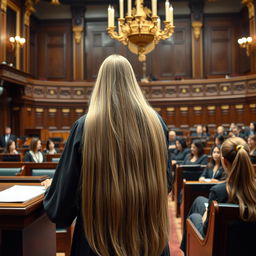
[(112, 174)]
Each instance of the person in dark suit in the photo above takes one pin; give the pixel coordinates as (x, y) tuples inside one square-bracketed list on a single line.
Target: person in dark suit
[(200, 133), (214, 170), (251, 130), (239, 188), (197, 155), (6, 137), (112, 174)]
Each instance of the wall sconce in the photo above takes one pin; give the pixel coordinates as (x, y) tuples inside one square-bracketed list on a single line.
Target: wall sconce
[(246, 42), (17, 40), (55, 2)]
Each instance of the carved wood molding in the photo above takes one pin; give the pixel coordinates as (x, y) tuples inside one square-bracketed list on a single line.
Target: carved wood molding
[(4, 5), (250, 6), (197, 26)]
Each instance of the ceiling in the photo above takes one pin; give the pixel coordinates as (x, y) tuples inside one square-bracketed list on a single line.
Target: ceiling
[(98, 8)]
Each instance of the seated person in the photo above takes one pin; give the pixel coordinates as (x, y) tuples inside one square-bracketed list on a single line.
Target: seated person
[(12, 155), (180, 152), (199, 132), (34, 154), (50, 148), (214, 170), (172, 141), (197, 155), (252, 145), (252, 129), (239, 188), (11, 148), (219, 139), (220, 131), (236, 132), (206, 130)]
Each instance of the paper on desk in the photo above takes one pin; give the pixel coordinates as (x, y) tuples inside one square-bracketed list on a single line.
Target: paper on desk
[(20, 194)]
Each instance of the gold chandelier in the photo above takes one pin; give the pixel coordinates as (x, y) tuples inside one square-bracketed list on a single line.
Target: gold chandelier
[(140, 29)]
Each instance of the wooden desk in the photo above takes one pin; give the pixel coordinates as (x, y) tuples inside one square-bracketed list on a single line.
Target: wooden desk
[(25, 229), (22, 179)]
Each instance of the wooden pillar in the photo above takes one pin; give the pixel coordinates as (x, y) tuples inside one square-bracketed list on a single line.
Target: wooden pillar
[(196, 7), (26, 49), (3, 4), (29, 9), (252, 23), (78, 41)]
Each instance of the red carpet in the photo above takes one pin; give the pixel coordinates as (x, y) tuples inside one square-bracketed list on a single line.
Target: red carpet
[(175, 231)]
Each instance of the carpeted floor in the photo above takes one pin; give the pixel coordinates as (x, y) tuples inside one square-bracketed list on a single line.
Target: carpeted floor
[(175, 232)]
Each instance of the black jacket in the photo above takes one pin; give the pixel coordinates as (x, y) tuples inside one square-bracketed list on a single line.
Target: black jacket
[(208, 173), (2, 140), (218, 193), (63, 199), (202, 160)]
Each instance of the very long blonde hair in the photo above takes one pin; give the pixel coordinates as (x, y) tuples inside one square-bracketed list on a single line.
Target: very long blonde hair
[(124, 190)]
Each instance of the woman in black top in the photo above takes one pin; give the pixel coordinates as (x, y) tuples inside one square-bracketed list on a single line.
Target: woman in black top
[(35, 154), (219, 139), (214, 170), (112, 173), (180, 152), (197, 156), (50, 148), (239, 188)]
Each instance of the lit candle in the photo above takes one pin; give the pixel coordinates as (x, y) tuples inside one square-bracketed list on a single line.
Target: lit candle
[(129, 13), (121, 3), (138, 7), (109, 16), (171, 15), (167, 5), (154, 7), (159, 23), (113, 17)]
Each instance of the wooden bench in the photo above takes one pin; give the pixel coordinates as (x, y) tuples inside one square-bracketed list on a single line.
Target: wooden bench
[(22, 179), (8, 171), (38, 169), (10, 157), (190, 191), (188, 172), (51, 157), (226, 235)]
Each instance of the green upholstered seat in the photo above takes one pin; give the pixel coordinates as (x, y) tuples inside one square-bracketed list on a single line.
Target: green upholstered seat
[(42, 172), (9, 171)]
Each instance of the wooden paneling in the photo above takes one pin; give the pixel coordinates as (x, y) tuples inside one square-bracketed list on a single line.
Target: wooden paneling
[(220, 46), (244, 60), (51, 50), (55, 105), (170, 59), (98, 46)]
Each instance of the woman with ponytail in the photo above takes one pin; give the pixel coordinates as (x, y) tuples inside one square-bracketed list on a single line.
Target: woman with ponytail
[(239, 187), (112, 174)]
